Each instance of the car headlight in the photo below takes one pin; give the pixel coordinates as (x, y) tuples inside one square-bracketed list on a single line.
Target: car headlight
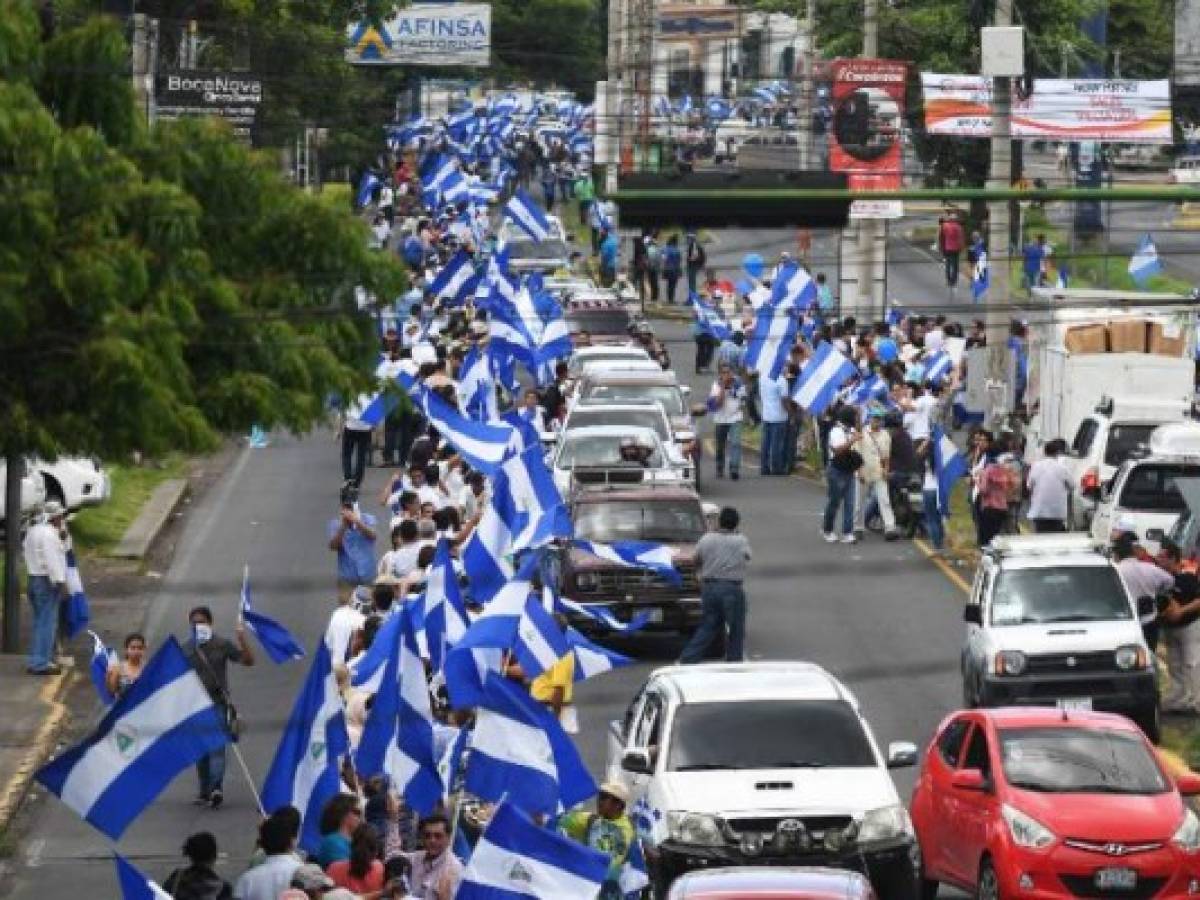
[(1130, 656), (1026, 830), (695, 828), (587, 581), (884, 824), (1187, 835), (1010, 662)]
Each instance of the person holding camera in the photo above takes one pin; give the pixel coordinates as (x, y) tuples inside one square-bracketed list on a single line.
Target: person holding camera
[(352, 538)]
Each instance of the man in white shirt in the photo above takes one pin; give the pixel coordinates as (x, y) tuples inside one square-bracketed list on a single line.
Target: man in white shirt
[(1049, 490), (725, 402), (271, 877), (356, 441), (46, 569), (919, 412), (772, 404)]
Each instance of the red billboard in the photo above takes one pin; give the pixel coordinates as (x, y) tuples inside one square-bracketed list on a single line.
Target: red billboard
[(868, 115)]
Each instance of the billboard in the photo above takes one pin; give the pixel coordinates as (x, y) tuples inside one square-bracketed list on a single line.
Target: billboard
[(867, 96), (1064, 109), (233, 97), (425, 34)]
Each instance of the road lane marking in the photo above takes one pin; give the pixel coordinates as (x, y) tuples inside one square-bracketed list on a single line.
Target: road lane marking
[(944, 566)]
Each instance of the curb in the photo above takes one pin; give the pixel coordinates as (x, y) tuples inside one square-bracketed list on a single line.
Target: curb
[(667, 312), (13, 793), (154, 515)]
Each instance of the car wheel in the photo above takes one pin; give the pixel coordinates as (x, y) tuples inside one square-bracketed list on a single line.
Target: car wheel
[(988, 885), (1150, 722)]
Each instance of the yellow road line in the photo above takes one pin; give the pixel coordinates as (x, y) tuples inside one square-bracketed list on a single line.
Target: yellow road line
[(944, 566), (14, 791)]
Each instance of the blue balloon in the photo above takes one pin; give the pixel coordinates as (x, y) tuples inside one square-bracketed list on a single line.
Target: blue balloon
[(753, 264)]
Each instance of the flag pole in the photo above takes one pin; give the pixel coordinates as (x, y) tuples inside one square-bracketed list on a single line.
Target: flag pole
[(250, 781)]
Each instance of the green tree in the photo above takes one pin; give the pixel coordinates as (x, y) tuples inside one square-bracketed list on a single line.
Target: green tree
[(548, 42), (86, 80)]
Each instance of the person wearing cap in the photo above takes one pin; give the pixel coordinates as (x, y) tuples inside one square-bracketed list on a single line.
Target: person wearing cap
[(876, 450), (608, 830), (46, 570), (312, 882), (1145, 582)]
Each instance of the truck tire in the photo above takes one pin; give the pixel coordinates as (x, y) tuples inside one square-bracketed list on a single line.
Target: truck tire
[(1150, 721)]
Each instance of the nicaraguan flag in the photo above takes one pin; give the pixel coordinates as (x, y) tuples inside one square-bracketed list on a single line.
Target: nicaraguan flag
[(443, 610), (895, 315), (102, 660), (457, 279), (949, 465), (477, 388), (367, 186), (485, 446), (793, 288), (1144, 264), (599, 216), (519, 750), (591, 659), (868, 390), (602, 615), (376, 407), (515, 858), (398, 736), (658, 558), (524, 211), (160, 726), (937, 367), (276, 640), (826, 371), (134, 885), (771, 341), (634, 877), (76, 613), (709, 319), (305, 772)]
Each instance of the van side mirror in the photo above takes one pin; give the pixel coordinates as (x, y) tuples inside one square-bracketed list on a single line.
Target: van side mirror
[(637, 762), (973, 614), (1188, 784)]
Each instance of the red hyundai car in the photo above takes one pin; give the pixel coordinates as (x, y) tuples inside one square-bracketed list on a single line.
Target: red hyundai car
[(1039, 802)]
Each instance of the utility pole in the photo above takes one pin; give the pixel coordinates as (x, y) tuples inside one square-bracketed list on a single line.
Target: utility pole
[(806, 89), (999, 245)]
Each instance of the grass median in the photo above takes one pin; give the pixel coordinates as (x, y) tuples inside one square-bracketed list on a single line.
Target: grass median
[(98, 529)]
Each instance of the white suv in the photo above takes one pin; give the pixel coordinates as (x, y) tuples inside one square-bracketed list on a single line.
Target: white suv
[(74, 481), (1050, 623), (761, 764)]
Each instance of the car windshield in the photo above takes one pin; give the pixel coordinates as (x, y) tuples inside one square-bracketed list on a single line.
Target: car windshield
[(1123, 440), (652, 418), (668, 395), (598, 450), (768, 734), (1152, 488), (1079, 760), (1059, 594), (668, 521), (613, 320), (578, 364), (548, 249), (1183, 533)]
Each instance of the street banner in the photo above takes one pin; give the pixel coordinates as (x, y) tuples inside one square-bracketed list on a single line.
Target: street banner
[(865, 140), (425, 34), (1065, 109)]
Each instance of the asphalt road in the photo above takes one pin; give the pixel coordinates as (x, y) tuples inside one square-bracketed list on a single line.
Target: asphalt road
[(878, 615)]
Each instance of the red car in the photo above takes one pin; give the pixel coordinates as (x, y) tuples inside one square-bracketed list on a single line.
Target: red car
[(771, 883), (1038, 802)]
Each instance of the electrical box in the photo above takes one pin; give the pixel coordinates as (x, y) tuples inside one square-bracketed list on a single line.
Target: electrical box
[(1003, 51)]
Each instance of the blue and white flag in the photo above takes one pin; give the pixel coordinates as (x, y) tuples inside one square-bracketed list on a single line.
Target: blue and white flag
[(981, 278), (658, 558), (602, 615), (824, 373), (276, 640), (398, 736), (937, 367), (599, 217), (895, 315), (134, 885), (662, 107), (718, 109), (367, 186), (685, 104), (457, 279), (591, 659), (484, 445), (765, 94), (793, 288), (477, 388), (305, 772), (949, 465), (518, 419), (709, 319), (443, 612), (634, 877), (515, 858), (102, 660), (771, 341), (869, 390), (524, 211), (162, 724), (1144, 264), (520, 750), (76, 613)]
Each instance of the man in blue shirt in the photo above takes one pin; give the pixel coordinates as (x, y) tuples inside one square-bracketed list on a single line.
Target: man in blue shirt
[(1034, 252), (352, 537), (609, 247), (772, 397)]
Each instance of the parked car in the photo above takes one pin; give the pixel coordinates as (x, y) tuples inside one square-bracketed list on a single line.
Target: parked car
[(1043, 803), (664, 514), (761, 764), (783, 883), (594, 454), (1050, 622), (74, 481), (33, 491), (1145, 493)]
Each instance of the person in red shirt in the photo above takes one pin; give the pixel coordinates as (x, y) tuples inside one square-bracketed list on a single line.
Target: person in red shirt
[(363, 871), (950, 242)]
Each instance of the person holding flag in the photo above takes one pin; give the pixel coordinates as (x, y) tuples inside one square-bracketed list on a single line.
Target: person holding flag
[(119, 677), (608, 830)]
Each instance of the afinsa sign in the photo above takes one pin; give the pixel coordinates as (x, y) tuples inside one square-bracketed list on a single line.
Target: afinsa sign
[(425, 34)]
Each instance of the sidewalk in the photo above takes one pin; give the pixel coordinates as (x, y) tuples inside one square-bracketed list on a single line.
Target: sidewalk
[(32, 715)]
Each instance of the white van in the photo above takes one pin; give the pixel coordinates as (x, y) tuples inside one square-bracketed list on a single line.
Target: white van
[(1145, 492)]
